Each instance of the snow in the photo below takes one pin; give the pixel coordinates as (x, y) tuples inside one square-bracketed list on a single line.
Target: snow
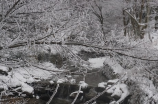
[(72, 81), (113, 102), (117, 92), (144, 83), (83, 84), (96, 62), (14, 82), (99, 62), (4, 68), (111, 90), (117, 68), (3, 86), (37, 97), (27, 88), (113, 81), (125, 92), (102, 84), (49, 66), (30, 80), (120, 90), (62, 80), (35, 73), (19, 77), (51, 82)]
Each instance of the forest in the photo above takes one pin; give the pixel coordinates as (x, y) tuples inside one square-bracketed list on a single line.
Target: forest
[(78, 51)]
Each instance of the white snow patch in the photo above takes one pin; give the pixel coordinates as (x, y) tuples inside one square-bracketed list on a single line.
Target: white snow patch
[(19, 77), (72, 81), (102, 84), (125, 92), (30, 80), (117, 68), (83, 84), (51, 82), (14, 82), (4, 68), (96, 62), (26, 88), (120, 90), (117, 91), (63, 80), (37, 73), (49, 66), (113, 81), (37, 97)]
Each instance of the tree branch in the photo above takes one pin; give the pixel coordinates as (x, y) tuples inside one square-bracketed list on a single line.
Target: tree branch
[(79, 44), (76, 95), (10, 10), (53, 94)]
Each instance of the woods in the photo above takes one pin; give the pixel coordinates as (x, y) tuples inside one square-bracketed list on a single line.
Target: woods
[(67, 41)]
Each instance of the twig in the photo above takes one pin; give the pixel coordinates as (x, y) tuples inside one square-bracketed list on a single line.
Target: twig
[(77, 95), (53, 94)]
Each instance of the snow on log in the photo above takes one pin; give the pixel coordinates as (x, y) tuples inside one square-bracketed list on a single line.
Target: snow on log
[(83, 84), (119, 90), (26, 88), (102, 84)]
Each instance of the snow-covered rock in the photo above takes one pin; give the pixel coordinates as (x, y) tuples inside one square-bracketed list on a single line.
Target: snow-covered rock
[(14, 82), (26, 88), (102, 84), (72, 81), (83, 84), (120, 91), (4, 68), (63, 80), (51, 82), (117, 92), (125, 92)]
